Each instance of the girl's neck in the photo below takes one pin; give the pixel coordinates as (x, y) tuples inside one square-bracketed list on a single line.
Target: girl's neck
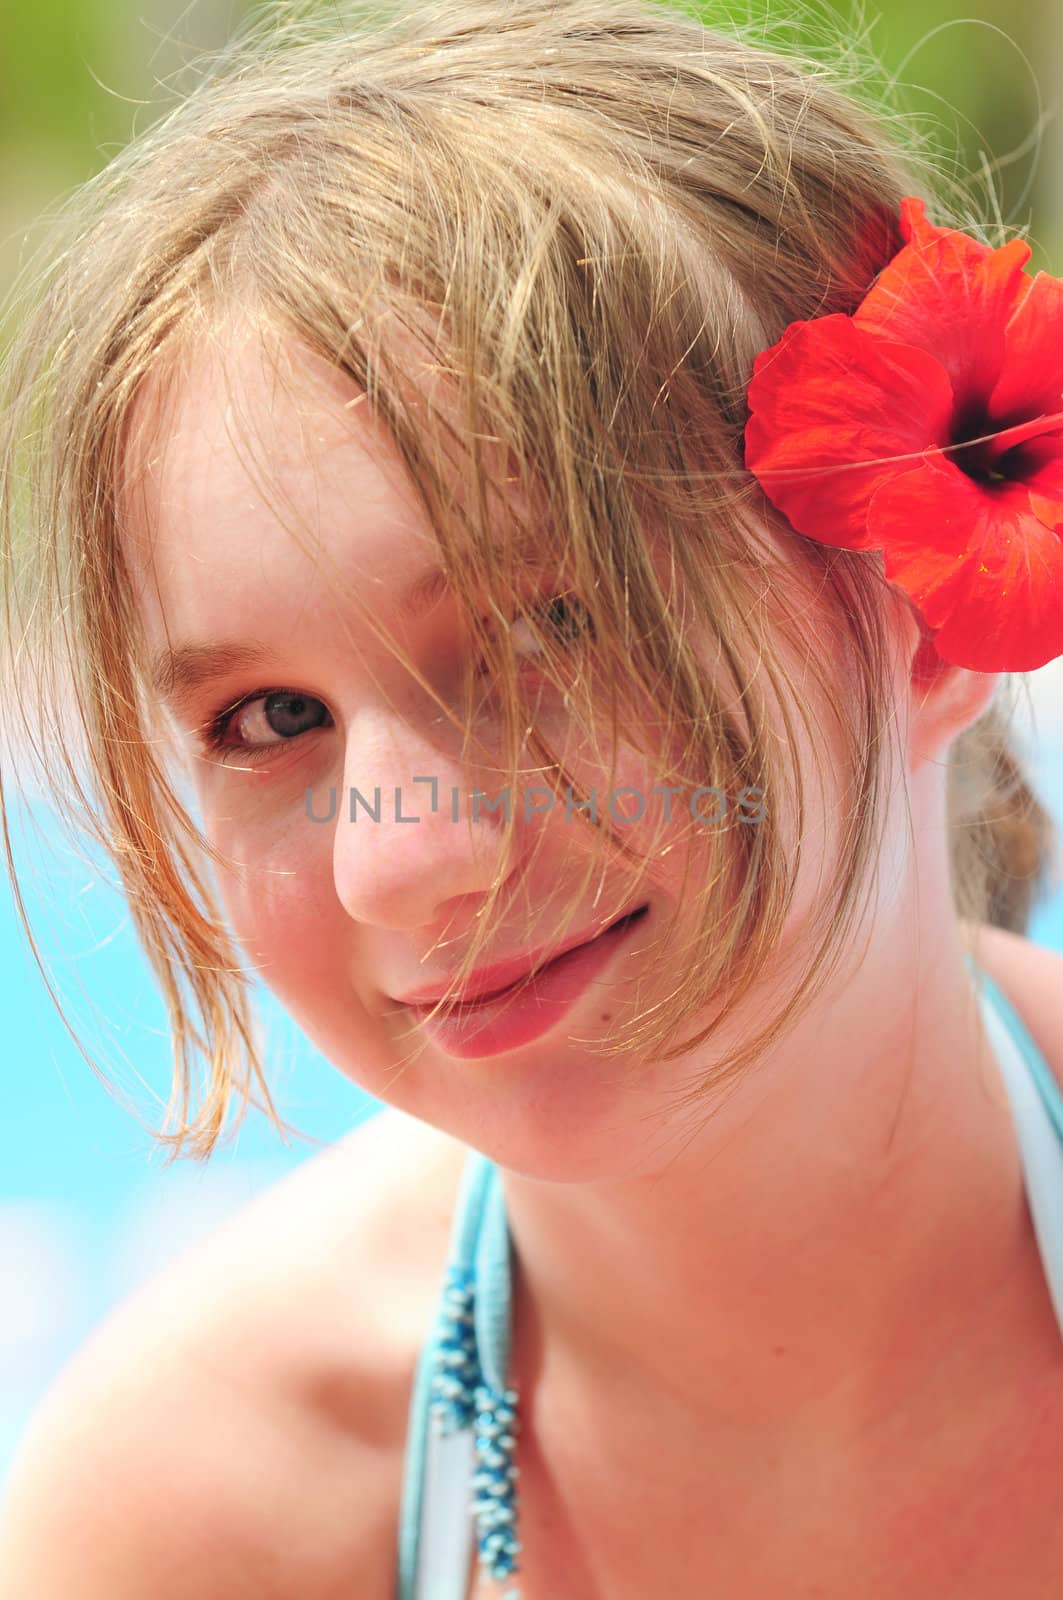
[(843, 1230)]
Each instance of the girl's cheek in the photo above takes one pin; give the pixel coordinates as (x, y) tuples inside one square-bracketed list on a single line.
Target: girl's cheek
[(278, 891)]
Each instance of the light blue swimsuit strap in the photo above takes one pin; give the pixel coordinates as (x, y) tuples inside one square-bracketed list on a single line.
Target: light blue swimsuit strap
[(436, 1542), (1037, 1112), (436, 1521)]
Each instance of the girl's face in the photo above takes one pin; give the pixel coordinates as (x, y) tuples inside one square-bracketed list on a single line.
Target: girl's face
[(344, 919)]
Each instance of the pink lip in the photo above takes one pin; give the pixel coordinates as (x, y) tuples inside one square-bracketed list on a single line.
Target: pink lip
[(529, 1009), (487, 982)]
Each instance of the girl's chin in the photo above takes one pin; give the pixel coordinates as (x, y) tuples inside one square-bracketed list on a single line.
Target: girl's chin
[(557, 1125)]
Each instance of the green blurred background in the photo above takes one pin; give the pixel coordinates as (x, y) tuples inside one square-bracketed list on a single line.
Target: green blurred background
[(79, 77)]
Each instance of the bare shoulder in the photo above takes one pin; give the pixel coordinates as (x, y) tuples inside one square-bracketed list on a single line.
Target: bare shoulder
[(1030, 976), (241, 1418)]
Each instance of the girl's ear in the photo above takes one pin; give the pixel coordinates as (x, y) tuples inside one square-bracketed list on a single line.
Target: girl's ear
[(945, 699)]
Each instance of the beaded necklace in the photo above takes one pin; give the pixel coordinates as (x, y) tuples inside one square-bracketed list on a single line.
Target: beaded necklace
[(469, 1388)]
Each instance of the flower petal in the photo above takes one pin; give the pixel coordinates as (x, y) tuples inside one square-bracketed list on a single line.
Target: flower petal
[(832, 408), (1032, 379), (1042, 476), (981, 566), (952, 296)]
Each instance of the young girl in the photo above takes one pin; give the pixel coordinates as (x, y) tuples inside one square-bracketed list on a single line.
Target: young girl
[(523, 521)]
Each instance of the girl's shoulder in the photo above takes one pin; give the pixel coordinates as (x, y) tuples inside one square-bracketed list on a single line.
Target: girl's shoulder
[(239, 1422)]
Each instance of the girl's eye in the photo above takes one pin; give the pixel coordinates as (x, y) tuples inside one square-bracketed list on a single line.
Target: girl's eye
[(265, 721), (565, 616), (247, 726)]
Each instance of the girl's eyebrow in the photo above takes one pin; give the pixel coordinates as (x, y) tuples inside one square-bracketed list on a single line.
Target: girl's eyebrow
[(177, 674)]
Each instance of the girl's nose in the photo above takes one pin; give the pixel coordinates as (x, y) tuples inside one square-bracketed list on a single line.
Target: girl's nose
[(408, 835)]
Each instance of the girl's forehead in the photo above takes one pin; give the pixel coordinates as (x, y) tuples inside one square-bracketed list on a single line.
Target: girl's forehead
[(248, 409), (240, 459), (252, 464), (250, 404)]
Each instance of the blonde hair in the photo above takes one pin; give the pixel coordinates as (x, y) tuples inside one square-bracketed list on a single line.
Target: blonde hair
[(608, 210)]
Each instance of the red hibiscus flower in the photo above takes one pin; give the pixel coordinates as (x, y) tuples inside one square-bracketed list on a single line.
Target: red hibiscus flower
[(929, 425)]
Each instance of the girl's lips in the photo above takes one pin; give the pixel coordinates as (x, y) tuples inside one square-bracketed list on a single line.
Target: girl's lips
[(529, 1008), (489, 982)]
